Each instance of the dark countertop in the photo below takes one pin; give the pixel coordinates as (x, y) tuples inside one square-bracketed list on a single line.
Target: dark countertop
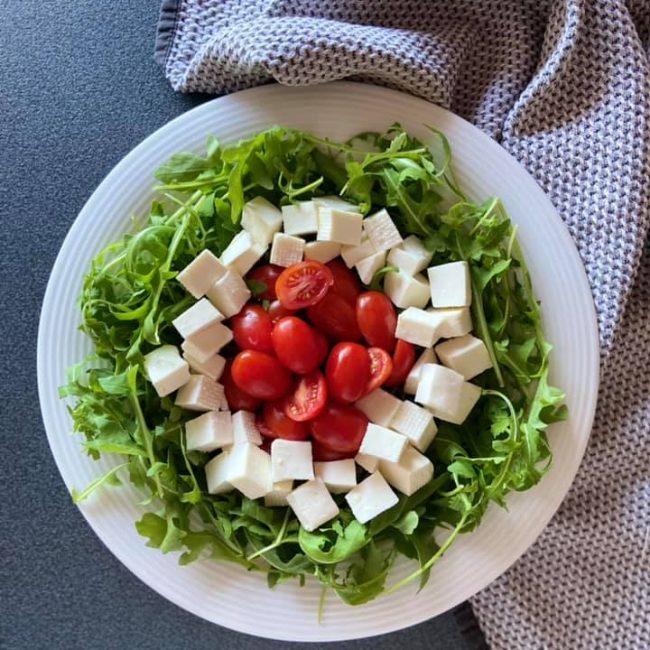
[(80, 90)]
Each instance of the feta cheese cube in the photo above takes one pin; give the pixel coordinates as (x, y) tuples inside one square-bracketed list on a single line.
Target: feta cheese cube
[(278, 494), (379, 406), (368, 266), (405, 290), (416, 326), (286, 249), (369, 463), (229, 294), (410, 256), (413, 378), (370, 498), (383, 443), (322, 251), (339, 226), (209, 431), (312, 504), (166, 370), (291, 459), (411, 473), (335, 202), (249, 470), (338, 475), (242, 252), (262, 220), (216, 474), (466, 355), (352, 254), (212, 368), (200, 393), (455, 321), (450, 285), (200, 315), (300, 218), (381, 230), (416, 423), (200, 274), (207, 342), (244, 429)]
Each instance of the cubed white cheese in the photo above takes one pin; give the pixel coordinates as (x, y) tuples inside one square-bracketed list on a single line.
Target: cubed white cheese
[(200, 274), (286, 249), (244, 429), (261, 219), (212, 368), (405, 290), (410, 256), (206, 343), (200, 315), (229, 294), (412, 379), (322, 251), (216, 474), (411, 473), (416, 423), (200, 393), (335, 202), (370, 498), (450, 285), (339, 476), (416, 326), (451, 322), (291, 459), (278, 494), (379, 406), (249, 470), (209, 431), (312, 504), (368, 266), (369, 463), (242, 252), (166, 370), (381, 230), (352, 254), (339, 226), (300, 218), (383, 443), (466, 355)]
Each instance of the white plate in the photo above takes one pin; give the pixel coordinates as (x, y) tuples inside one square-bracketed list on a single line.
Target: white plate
[(226, 594)]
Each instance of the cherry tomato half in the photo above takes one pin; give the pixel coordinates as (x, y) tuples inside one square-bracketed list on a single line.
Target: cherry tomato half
[(335, 317), (252, 328), (303, 284), (322, 454), (381, 366), (260, 375), (403, 361), (276, 424), (238, 400), (297, 345), (266, 275), (276, 311), (346, 283), (347, 372), (308, 399), (377, 319), (340, 428)]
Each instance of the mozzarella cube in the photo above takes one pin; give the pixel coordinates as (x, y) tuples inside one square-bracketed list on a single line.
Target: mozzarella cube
[(416, 326), (405, 290), (322, 251), (205, 344), (410, 256), (200, 315), (243, 252), (352, 254), (262, 220), (166, 370), (466, 355), (244, 429), (312, 504), (278, 494), (416, 423), (455, 321), (216, 474), (300, 218), (383, 443), (335, 202), (199, 275), (286, 249), (411, 473), (200, 393), (291, 459), (370, 498), (338, 475), (368, 266), (212, 368), (369, 463), (381, 231), (450, 285), (413, 378), (379, 406), (209, 431), (229, 294), (249, 470), (339, 226)]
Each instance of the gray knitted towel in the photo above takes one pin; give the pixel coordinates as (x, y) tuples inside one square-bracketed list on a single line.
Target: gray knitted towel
[(563, 85)]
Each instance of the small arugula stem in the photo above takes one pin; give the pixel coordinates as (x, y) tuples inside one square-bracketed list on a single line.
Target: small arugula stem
[(277, 542), (484, 331)]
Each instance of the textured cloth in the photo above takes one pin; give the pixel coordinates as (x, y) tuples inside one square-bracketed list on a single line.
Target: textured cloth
[(563, 85)]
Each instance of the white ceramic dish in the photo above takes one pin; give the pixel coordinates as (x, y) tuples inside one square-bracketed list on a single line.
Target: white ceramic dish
[(226, 594)]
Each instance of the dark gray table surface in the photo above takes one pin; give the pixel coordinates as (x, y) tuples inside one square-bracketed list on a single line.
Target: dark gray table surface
[(79, 90)]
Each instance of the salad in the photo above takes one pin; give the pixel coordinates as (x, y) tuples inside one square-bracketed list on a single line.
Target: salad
[(315, 357)]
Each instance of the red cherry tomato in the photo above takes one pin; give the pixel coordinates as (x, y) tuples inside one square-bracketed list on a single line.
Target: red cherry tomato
[(335, 317), (260, 375), (297, 345), (380, 368), (276, 311), (275, 423), (266, 275), (340, 428), (308, 399), (321, 453), (238, 400), (347, 372), (252, 328), (377, 319), (323, 344), (346, 283), (403, 361), (303, 284)]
